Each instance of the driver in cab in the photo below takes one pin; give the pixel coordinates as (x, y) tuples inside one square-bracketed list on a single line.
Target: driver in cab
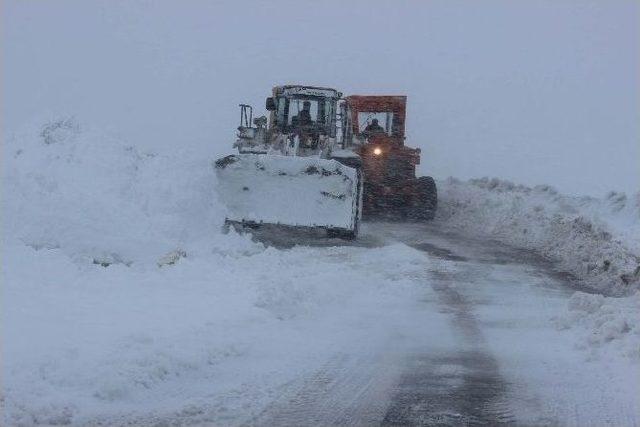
[(303, 119), (373, 129), (303, 125)]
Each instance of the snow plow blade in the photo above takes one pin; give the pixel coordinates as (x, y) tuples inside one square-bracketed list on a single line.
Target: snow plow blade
[(290, 191)]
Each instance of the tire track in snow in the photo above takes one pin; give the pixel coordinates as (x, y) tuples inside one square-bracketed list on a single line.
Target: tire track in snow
[(346, 391), (461, 388)]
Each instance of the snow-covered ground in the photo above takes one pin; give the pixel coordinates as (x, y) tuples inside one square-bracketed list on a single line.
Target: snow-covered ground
[(123, 301), (83, 341)]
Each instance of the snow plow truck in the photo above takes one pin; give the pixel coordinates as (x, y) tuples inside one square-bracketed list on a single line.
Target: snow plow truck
[(322, 160)]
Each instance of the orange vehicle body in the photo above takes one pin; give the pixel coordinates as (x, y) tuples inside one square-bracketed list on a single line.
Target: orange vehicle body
[(390, 185)]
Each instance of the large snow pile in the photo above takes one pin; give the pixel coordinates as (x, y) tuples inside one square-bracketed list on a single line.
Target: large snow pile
[(92, 196), (596, 240), (121, 298)]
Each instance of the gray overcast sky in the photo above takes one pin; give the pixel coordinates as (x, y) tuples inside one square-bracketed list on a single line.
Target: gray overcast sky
[(533, 91)]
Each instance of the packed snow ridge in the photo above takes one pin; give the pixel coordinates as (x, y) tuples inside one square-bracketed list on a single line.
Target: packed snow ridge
[(596, 240), (121, 296)]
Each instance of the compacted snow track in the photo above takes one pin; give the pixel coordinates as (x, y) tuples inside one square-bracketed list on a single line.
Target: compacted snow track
[(482, 351)]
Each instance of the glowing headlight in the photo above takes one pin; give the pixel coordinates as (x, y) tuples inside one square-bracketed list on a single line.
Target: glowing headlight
[(377, 151)]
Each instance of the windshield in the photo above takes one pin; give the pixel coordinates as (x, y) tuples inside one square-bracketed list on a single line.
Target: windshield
[(308, 111), (296, 106)]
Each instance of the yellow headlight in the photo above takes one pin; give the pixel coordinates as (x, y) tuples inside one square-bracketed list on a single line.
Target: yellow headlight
[(377, 151)]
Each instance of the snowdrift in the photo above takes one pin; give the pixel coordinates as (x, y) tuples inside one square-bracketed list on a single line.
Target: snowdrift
[(596, 240), (609, 326), (94, 197)]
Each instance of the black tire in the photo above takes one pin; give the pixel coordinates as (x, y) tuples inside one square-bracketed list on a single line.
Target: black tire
[(425, 200)]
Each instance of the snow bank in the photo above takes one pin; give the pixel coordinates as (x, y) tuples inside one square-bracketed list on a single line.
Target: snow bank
[(597, 240), (95, 197)]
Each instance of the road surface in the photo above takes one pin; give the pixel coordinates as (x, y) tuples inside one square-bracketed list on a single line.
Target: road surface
[(482, 349)]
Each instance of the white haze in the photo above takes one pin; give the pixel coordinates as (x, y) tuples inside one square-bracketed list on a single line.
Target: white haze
[(537, 92)]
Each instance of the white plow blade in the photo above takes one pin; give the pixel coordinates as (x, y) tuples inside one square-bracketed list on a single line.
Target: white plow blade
[(287, 190)]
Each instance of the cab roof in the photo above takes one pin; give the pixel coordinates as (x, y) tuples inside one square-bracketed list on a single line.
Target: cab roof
[(302, 90)]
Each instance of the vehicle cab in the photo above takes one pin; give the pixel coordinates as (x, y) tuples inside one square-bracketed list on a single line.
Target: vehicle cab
[(288, 102)]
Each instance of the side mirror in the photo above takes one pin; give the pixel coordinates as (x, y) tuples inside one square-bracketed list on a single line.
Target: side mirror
[(270, 104)]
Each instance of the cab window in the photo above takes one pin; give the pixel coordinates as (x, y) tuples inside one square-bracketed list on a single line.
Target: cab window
[(385, 120)]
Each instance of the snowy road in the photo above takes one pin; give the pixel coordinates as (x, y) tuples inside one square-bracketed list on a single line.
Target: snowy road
[(409, 325), (482, 351)]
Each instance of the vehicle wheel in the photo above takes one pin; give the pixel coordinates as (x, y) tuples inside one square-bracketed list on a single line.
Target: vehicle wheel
[(425, 200)]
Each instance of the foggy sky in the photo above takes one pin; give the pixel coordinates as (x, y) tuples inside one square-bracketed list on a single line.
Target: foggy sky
[(533, 91)]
